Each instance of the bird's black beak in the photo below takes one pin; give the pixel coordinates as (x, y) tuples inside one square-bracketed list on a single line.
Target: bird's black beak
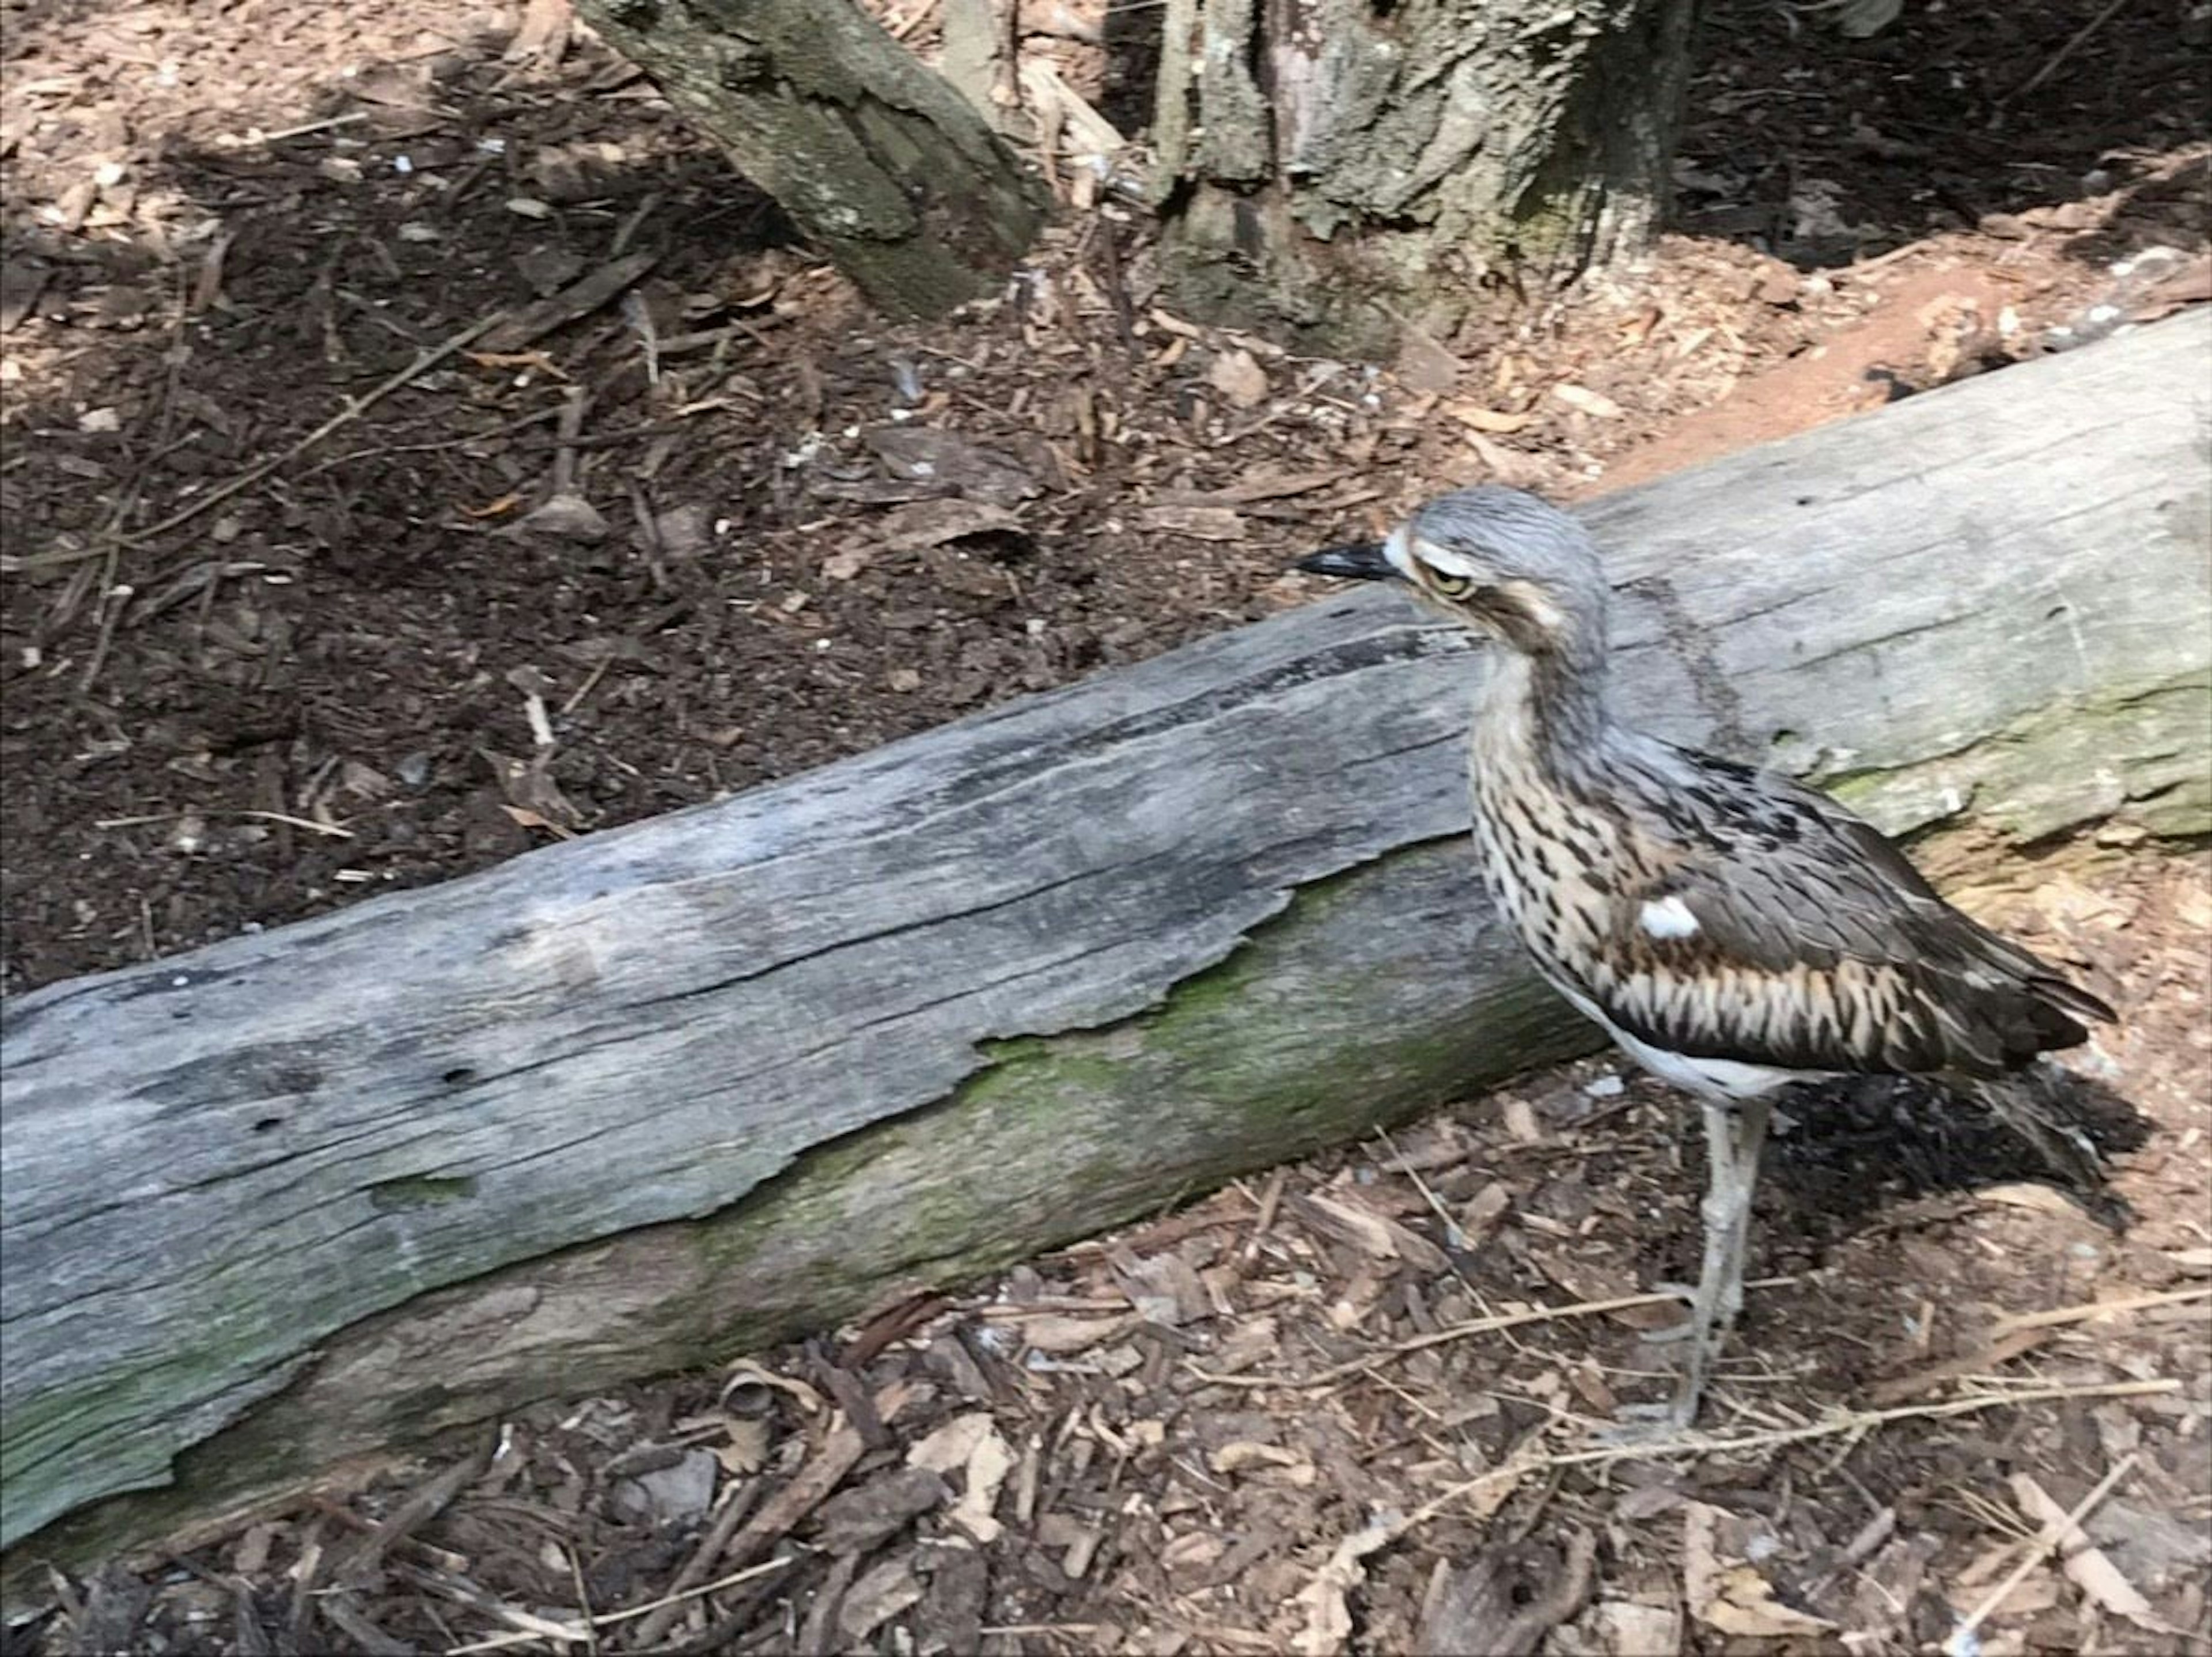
[(1361, 561)]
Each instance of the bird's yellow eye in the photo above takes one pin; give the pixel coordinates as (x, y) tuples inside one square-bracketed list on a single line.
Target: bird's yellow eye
[(1450, 586)]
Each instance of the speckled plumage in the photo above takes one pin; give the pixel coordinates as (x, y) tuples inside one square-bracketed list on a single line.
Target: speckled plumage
[(1732, 929)]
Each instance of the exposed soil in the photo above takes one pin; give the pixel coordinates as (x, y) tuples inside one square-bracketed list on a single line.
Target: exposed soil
[(550, 570)]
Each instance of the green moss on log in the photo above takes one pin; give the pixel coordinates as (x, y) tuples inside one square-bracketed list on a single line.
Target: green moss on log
[(2140, 748), (1270, 1054)]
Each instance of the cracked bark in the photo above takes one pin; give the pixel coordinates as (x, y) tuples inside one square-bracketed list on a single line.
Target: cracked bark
[(670, 1092), (878, 159), (1350, 152)]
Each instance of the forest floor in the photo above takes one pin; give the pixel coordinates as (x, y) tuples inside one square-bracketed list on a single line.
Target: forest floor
[(418, 448)]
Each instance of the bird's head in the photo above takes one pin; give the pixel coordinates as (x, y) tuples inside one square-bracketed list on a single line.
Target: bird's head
[(1493, 559)]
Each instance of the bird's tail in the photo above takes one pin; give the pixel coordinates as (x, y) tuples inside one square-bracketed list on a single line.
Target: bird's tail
[(2038, 1103)]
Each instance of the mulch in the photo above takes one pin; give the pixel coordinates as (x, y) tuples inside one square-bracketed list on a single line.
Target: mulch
[(420, 447)]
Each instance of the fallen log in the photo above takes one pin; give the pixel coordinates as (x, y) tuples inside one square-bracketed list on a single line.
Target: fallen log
[(650, 1097)]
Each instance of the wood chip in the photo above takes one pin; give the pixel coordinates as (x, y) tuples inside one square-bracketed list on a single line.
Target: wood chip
[(580, 299), (1475, 417), (2084, 1563), (1237, 375), (1582, 398), (1732, 1597), (1203, 522)]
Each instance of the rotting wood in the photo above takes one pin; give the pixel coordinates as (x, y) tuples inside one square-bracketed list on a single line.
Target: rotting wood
[(667, 1092)]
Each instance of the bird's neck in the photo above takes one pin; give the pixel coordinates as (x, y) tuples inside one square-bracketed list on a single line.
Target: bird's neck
[(1545, 712)]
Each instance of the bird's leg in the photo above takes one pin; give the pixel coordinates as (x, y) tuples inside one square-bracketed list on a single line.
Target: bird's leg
[(1734, 1135), (1745, 1128)]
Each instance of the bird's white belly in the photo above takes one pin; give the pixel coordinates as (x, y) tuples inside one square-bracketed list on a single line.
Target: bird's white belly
[(1709, 1078)]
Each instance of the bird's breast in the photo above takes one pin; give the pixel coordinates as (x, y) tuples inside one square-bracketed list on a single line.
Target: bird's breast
[(1553, 866)]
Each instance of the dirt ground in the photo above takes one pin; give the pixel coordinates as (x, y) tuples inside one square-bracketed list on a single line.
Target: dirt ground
[(418, 447)]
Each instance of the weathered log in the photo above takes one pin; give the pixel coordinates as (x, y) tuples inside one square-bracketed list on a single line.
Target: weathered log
[(641, 1100)]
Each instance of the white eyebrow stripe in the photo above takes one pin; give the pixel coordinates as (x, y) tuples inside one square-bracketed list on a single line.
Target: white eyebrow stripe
[(1667, 917), (1394, 550), (1449, 563)]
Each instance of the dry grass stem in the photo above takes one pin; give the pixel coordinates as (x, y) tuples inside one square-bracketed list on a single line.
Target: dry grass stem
[(1964, 1641), (2058, 1314)]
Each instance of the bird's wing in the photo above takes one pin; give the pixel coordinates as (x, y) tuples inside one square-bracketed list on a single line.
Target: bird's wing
[(1778, 928)]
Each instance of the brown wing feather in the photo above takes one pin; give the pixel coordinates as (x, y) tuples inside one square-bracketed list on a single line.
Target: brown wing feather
[(1819, 946)]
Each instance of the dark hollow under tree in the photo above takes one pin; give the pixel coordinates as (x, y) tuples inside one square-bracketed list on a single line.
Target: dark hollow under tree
[(1336, 168), (873, 155)]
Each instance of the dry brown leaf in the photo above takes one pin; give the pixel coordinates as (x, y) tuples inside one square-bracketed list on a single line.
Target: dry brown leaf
[(746, 1372), (565, 518), (1372, 1234), (878, 1597), (932, 523), (1733, 1597), (1240, 1453), (744, 1446), (1594, 403), (1475, 417), (1626, 1628), (972, 1443), (1204, 523), (1479, 1217), (949, 1446), (526, 818), (844, 565), (1237, 375), (1051, 1332), (1326, 1599), (1163, 1288), (1425, 365), (2041, 1198), (1508, 466)]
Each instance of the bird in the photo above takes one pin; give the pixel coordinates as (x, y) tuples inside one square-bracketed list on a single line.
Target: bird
[(1734, 930)]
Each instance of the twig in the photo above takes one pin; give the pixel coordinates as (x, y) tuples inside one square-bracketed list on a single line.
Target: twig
[(360, 1566), (461, 442), (302, 131), (733, 1513), (1963, 1641), (1270, 1200), (2095, 1308), (2051, 68), (567, 430), (1849, 1421), (114, 599), (584, 1630), (599, 671), (1351, 1367), (354, 410), (329, 828)]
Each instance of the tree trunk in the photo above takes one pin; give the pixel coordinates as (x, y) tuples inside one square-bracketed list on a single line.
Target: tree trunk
[(658, 1094), (1323, 163), (906, 188)]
